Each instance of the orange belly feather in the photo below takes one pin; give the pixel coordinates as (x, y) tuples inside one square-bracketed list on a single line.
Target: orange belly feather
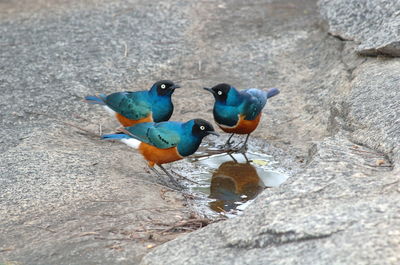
[(243, 126), (159, 156), (128, 122)]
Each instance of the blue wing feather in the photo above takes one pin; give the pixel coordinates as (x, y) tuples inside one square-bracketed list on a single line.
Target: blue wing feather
[(116, 136), (256, 100), (161, 135), (272, 92), (132, 105), (94, 100)]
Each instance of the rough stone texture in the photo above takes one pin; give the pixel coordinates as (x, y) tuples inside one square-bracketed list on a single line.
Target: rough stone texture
[(373, 23), (67, 198), (343, 207), (321, 216)]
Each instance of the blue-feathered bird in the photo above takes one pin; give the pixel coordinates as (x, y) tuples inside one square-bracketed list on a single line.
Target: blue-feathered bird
[(165, 142), (131, 108), (239, 112)]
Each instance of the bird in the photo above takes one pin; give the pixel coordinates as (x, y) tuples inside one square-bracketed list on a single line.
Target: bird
[(239, 112), (131, 108), (165, 142)]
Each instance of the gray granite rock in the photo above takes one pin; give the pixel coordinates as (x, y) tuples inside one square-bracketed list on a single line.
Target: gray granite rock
[(67, 198), (343, 206), (373, 23), (321, 216)]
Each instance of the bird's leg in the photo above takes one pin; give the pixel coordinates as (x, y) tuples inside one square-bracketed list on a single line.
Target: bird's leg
[(228, 143), (161, 178), (155, 171), (243, 149), (171, 177), (247, 160), (233, 158)]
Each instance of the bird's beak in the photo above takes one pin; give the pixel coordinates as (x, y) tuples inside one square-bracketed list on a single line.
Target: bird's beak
[(176, 86), (208, 89), (213, 132)]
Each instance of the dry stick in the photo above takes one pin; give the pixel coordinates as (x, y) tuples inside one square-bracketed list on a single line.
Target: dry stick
[(63, 122), (162, 186), (363, 151), (179, 175), (116, 239), (289, 120), (213, 152), (126, 49)]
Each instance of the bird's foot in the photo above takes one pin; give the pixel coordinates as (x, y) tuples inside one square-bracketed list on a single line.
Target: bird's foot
[(227, 146), (172, 184), (242, 149)]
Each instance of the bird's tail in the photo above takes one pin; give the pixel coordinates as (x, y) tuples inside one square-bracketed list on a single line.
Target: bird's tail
[(95, 99), (115, 136), (272, 92), (126, 139)]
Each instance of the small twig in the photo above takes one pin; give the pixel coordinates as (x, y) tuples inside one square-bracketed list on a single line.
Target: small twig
[(363, 151), (6, 249), (212, 153), (179, 175), (289, 120), (126, 49), (87, 234), (390, 184), (120, 239), (222, 210), (378, 165), (100, 129), (110, 201)]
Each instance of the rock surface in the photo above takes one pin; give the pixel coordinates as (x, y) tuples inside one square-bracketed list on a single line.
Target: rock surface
[(343, 207), (68, 198), (374, 24)]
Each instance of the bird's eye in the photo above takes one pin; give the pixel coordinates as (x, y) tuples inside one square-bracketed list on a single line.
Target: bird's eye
[(219, 92), (202, 128), (163, 86)]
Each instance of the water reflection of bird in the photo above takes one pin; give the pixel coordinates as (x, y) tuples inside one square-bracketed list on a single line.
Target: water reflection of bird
[(230, 182)]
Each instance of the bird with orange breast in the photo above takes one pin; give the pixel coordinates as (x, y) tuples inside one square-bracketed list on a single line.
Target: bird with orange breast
[(131, 108), (165, 142), (239, 112)]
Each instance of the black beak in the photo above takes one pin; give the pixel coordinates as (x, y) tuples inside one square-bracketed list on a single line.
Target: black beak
[(213, 132), (208, 89), (176, 86)]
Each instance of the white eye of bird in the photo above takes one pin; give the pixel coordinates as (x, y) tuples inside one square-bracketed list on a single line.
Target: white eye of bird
[(163, 86), (202, 128), (219, 92)]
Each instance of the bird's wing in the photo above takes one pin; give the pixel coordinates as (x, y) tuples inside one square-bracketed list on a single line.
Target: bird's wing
[(256, 100), (159, 135), (132, 105)]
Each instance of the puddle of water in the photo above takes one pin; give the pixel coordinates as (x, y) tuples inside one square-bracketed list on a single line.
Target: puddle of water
[(228, 184)]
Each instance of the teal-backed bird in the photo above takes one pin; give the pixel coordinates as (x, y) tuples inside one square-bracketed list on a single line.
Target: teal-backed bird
[(165, 142), (131, 108), (239, 112)]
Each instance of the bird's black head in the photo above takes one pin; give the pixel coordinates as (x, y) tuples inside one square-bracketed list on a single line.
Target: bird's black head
[(220, 91), (164, 87), (202, 128)]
